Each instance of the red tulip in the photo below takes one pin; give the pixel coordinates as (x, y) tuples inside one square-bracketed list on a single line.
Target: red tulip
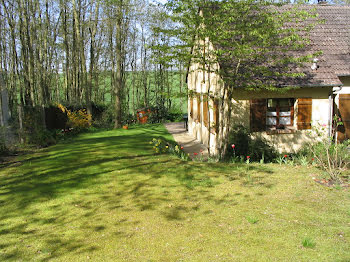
[(285, 155), (233, 146), (195, 154), (248, 157)]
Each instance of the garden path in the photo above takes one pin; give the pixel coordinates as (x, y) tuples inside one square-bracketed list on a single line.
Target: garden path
[(190, 144)]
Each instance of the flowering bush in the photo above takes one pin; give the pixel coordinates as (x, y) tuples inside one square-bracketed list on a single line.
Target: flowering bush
[(79, 119)]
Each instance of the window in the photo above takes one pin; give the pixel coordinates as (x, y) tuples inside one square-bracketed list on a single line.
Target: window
[(279, 113)]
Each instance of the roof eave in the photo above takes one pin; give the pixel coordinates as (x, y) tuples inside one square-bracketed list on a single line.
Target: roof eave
[(312, 86)]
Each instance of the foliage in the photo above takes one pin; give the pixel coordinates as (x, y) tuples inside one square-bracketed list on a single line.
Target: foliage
[(161, 114), (55, 118), (42, 137), (331, 156), (248, 33), (105, 118), (252, 220), (78, 119), (308, 243), (242, 144), (163, 146), (3, 148), (34, 131)]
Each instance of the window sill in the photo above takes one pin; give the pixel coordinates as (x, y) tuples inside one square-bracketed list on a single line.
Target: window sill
[(280, 131)]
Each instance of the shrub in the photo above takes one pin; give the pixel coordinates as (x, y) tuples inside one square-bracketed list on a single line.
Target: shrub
[(78, 119), (106, 118), (161, 114), (331, 156), (3, 148), (246, 145), (55, 118), (33, 128), (42, 137), (175, 116)]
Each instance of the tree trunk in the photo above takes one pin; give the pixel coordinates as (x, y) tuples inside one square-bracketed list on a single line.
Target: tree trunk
[(119, 74), (5, 113), (85, 84)]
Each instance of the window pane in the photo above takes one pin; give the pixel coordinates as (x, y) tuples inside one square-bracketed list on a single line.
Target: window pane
[(271, 103), (284, 102), (271, 113), (271, 121), (285, 121), (286, 113)]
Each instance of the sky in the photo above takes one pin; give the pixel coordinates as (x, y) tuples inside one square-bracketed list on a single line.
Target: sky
[(159, 1)]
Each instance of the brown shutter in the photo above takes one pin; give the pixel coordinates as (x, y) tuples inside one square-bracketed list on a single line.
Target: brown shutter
[(205, 111), (344, 114), (199, 107), (257, 115), (191, 107), (304, 113), (216, 115)]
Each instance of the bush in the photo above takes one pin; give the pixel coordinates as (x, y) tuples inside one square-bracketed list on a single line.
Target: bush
[(333, 158), (78, 119), (329, 155), (42, 137), (175, 116), (3, 148), (162, 114), (55, 118), (242, 144), (106, 118)]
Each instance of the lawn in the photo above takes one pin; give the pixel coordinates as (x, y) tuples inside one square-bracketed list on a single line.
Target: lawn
[(105, 196)]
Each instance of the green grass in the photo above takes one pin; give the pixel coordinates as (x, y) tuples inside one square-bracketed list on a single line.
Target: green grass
[(308, 243), (105, 196)]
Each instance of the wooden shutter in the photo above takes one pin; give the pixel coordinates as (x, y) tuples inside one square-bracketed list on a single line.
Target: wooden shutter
[(257, 115), (304, 113), (191, 107), (344, 114), (205, 111), (216, 115), (198, 107)]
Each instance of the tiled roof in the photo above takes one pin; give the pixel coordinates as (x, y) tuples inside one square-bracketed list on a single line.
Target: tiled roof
[(332, 38)]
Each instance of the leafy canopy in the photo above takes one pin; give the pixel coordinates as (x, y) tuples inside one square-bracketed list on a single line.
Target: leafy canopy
[(254, 42)]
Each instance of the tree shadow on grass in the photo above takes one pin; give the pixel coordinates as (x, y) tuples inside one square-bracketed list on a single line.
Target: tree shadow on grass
[(135, 176)]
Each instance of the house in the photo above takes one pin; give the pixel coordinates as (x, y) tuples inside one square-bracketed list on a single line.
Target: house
[(282, 118)]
